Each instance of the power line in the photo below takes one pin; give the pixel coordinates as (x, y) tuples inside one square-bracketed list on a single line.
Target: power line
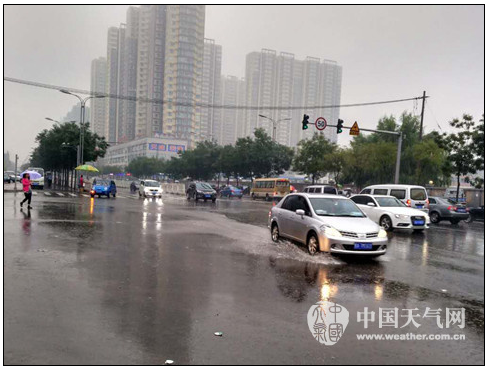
[(200, 104)]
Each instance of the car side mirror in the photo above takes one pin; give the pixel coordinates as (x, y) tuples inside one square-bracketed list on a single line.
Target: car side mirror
[(300, 212), (370, 204)]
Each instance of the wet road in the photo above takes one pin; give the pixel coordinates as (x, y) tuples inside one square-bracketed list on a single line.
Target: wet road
[(132, 281)]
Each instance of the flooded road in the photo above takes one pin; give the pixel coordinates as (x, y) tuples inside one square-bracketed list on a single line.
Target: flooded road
[(132, 281)]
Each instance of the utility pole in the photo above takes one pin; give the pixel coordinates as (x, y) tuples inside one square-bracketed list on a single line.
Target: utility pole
[(422, 117), (15, 172)]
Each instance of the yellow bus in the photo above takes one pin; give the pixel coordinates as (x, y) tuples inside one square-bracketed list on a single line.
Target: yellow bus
[(270, 188)]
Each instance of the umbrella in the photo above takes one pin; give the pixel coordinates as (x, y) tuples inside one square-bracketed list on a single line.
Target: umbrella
[(87, 167), (32, 174)]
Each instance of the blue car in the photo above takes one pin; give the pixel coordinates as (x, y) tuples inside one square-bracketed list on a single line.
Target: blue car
[(231, 191), (103, 187)]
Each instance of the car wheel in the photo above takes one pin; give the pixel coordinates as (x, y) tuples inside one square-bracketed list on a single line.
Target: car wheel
[(253, 197), (99, 196), (114, 194), (312, 244), (454, 221), (385, 222), (140, 194), (240, 197), (267, 197), (434, 217), (469, 219), (275, 233), (92, 196), (213, 200)]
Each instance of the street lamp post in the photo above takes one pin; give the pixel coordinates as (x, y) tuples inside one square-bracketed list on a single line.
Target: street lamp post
[(82, 118), (275, 123)]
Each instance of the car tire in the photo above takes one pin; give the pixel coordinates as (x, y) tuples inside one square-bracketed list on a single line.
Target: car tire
[(434, 217), (275, 232), (267, 197), (386, 223), (312, 244), (253, 197), (92, 196), (469, 219), (99, 196), (114, 195), (213, 200), (240, 197), (454, 221)]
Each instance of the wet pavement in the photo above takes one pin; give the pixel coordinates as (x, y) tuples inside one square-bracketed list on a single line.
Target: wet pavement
[(132, 281)]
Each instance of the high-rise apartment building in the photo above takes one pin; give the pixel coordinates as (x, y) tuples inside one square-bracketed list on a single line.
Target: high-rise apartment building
[(98, 83), (232, 122), (210, 118), (282, 80), (112, 83), (127, 76), (183, 71), (151, 54)]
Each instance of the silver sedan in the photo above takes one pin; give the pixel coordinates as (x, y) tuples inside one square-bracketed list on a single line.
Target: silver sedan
[(326, 223)]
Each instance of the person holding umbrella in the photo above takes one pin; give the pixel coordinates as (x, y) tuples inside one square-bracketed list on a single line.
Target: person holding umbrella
[(26, 187)]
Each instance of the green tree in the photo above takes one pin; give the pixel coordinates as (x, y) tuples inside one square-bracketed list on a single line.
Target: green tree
[(335, 162), (309, 159), (146, 167), (463, 152)]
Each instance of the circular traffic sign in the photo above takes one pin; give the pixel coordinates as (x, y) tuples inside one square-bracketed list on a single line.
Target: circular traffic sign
[(320, 124)]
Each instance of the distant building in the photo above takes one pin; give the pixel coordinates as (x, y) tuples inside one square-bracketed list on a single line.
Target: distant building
[(97, 86), (112, 83), (161, 148), (282, 80), (210, 118), (231, 125)]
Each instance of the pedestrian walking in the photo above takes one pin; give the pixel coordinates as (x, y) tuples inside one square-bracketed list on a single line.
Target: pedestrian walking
[(26, 187), (81, 184)]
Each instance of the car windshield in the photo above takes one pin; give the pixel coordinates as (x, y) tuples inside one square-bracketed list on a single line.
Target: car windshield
[(103, 183), (332, 207), (389, 202), (151, 184), (418, 194), (204, 186)]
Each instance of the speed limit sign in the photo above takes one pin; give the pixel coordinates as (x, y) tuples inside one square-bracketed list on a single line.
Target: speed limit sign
[(320, 124)]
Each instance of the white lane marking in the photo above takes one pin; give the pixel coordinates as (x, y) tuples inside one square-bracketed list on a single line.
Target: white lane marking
[(47, 194), (73, 194), (59, 194), (85, 195)]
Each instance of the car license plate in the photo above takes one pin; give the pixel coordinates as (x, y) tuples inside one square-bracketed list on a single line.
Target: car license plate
[(363, 246), (207, 195), (461, 210), (420, 206), (418, 222)]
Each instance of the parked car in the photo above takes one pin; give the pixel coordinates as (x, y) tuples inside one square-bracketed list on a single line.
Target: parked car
[(12, 176), (149, 187), (476, 213), (103, 187), (411, 196), (321, 189), (6, 178), (326, 223), (391, 213), (231, 191), (201, 191), (442, 209)]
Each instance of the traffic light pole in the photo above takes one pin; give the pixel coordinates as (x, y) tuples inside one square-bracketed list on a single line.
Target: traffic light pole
[(399, 148)]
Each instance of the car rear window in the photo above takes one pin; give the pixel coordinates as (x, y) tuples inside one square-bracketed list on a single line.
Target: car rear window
[(380, 191), (418, 194), (330, 190), (399, 194)]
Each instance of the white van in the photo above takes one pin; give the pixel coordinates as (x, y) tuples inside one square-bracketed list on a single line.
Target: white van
[(412, 196)]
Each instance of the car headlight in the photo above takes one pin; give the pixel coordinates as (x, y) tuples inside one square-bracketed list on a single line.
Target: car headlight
[(105, 188), (329, 231), (382, 233)]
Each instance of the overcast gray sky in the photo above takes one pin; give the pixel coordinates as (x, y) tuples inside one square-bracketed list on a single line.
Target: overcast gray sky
[(387, 52)]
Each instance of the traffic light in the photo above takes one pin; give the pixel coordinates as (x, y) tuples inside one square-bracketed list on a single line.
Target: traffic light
[(305, 121), (339, 126)]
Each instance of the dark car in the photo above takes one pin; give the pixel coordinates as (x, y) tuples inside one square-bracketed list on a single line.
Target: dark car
[(231, 191), (201, 191), (443, 209), (477, 213), (103, 187), (6, 178)]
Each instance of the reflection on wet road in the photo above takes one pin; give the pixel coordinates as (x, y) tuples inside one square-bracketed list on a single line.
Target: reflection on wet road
[(133, 281)]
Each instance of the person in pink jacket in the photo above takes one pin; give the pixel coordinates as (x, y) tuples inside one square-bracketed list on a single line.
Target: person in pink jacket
[(26, 187)]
